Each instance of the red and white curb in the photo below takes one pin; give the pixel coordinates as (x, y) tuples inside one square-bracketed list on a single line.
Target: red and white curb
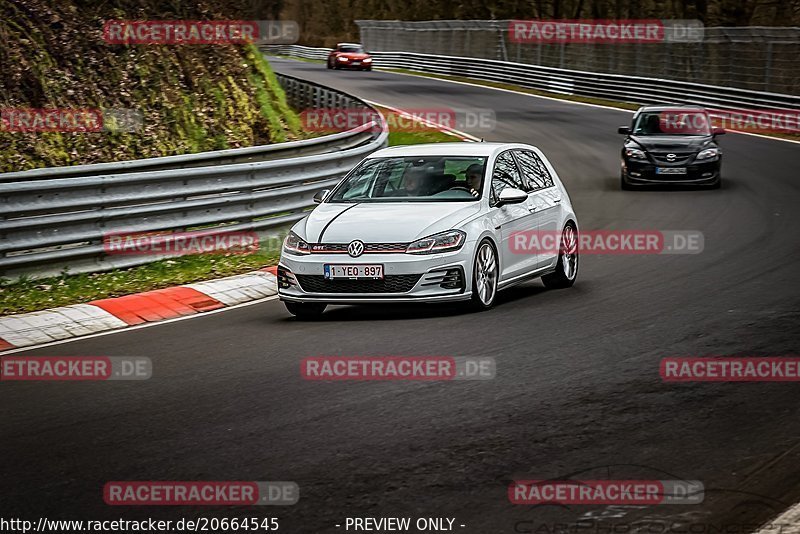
[(65, 322)]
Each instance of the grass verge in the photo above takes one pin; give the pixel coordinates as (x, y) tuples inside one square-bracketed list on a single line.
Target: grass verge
[(416, 138), (27, 295), (420, 135)]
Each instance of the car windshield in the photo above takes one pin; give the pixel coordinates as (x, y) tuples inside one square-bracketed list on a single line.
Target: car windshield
[(672, 122), (413, 178), (352, 48)]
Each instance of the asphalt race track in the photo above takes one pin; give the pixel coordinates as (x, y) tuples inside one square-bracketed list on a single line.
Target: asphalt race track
[(577, 388)]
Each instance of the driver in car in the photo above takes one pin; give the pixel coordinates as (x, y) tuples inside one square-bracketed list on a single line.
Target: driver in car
[(474, 175)]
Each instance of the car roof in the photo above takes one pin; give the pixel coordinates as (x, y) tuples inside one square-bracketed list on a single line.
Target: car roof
[(446, 149), (681, 107)]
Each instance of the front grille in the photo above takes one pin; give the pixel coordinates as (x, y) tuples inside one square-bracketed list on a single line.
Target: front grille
[(385, 247), (695, 171), (680, 157), (324, 248), (397, 283)]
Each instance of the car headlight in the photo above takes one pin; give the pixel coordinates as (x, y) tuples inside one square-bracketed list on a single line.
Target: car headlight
[(635, 153), (342, 58), (444, 242), (294, 245), (367, 60), (708, 153)]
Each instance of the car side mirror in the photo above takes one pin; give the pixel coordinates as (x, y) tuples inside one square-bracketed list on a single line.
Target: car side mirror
[(623, 130), (511, 195), (320, 195), (718, 131)]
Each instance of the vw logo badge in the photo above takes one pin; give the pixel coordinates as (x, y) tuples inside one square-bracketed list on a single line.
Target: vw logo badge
[(671, 157), (355, 248)]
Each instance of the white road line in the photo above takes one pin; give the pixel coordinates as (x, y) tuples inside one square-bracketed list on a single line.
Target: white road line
[(431, 124)]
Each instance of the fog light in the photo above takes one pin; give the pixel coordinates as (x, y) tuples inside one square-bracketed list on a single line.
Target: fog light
[(453, 279), (286, 278), (446, 278)]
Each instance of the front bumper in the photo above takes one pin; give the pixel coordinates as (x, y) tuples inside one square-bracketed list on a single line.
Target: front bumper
[(350, 66), (638, 172), (407, 278)]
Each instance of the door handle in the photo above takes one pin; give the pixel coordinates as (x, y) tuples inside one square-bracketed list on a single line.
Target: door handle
[(531, 208), (557, 200)]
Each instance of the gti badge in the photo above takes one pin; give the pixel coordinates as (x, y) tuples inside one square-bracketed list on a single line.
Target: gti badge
[(355, 248)]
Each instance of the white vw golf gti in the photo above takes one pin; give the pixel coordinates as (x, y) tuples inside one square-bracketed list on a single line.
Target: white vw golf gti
[(430, 223)]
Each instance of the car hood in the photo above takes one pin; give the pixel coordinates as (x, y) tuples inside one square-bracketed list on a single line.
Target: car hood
[(669, 142), (395, 222)]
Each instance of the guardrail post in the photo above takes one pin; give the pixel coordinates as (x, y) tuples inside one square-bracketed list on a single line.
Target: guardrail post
[(768, 67), (503, 52)]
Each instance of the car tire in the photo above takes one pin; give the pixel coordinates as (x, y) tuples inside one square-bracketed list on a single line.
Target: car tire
[(567, 266), (623, 184), (305, 310), (368, 69), (485, 275), (328, 64)]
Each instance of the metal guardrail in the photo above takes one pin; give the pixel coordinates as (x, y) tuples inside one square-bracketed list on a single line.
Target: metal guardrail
[(50, 222), (757, 58), (319, 145), (631, 89)]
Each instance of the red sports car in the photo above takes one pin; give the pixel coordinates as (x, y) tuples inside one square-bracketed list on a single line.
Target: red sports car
[(349, 56)]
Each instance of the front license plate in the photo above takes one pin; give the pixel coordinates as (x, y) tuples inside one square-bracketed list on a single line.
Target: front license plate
[(356, 63), (354, 272), (670, 170)]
